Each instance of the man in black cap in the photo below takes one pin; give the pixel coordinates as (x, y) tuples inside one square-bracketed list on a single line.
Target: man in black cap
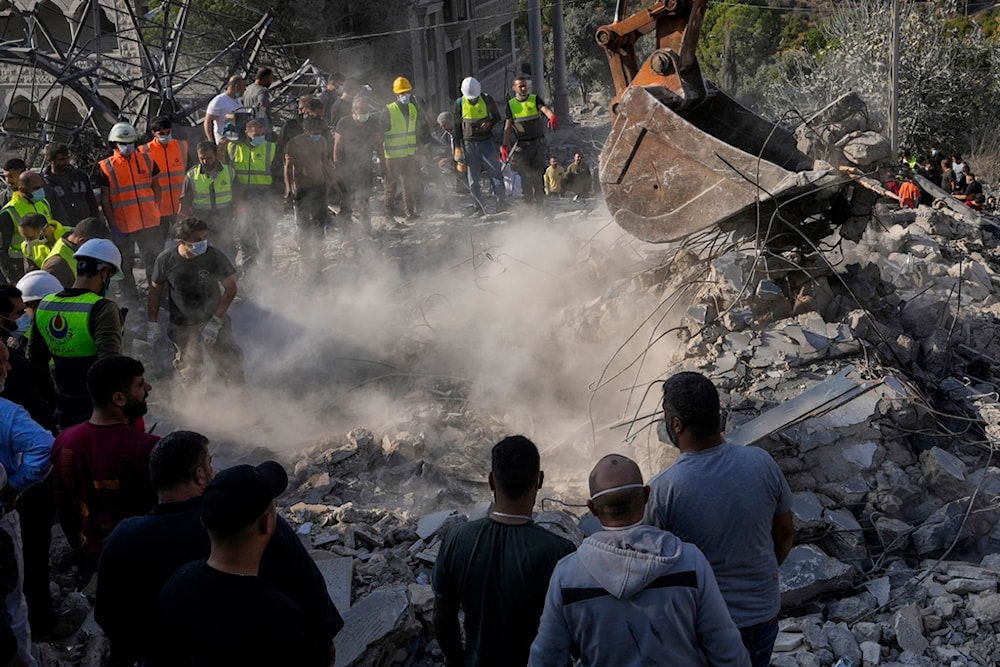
[(142, 553), (219, 611)]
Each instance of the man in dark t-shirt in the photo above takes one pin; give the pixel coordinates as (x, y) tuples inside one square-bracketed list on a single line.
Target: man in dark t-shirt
[(202, 285), (355, 142), (219, 611), (497, 569)]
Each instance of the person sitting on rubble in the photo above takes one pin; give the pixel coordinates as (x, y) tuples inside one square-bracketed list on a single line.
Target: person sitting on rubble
[(633, 591), (747, 498), (496, 570), (143, 552), (220, 610)]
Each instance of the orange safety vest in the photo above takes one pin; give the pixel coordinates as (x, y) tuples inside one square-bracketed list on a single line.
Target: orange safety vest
[(172, 159), (133, 203)]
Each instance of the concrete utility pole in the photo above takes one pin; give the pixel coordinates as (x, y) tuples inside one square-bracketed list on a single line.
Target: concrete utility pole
[(894, 93), (560, 96), (537, 54)]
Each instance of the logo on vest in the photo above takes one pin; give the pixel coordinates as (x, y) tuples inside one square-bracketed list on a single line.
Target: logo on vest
[(58, 327)]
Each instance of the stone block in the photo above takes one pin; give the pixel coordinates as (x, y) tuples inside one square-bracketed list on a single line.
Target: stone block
[(861, 455), (865, 148), (967, 586), (432, 523), (807, 512), (893, 533), (985, 608), (788, 641), (945, 474), (337, 573), (942, 528), (370, 621), (871, 654), (909, 628), (808, 572)]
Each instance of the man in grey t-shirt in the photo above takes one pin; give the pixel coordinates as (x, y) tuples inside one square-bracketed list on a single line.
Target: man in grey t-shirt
[(730, 501), (257, 97)]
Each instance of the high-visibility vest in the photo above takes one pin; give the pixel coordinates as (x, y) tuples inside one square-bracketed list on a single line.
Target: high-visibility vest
[(63, 249), (133, 203), (401, 139), (252, 164), (211, 193), (18, 207), (472, 113), (171, 158), (525, 110), (64, 323), (38, 251)]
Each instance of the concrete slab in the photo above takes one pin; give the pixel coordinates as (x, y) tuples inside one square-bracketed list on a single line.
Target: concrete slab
[(371, 620), (337, 573)]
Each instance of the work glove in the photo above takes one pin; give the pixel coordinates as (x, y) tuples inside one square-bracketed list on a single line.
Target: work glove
[(553, 122), (504, 153), (211, 331), (153, 334)]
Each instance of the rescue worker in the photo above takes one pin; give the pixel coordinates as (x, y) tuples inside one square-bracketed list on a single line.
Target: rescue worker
[(524, 123), (130, 196), (478, 115), (208, 194), (355, 142), (39, 234), (76, 327), (30, 197), (173, 158), (399, 130), (201, 283), (60, 262), (253, 162)]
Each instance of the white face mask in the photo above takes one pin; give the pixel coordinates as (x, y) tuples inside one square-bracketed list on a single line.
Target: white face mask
[(404, 98), (126, 149), (363, 117), (164, 138)]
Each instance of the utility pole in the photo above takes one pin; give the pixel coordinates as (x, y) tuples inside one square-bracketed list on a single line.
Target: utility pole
[(560, 96), (894, 78), (537, 54)]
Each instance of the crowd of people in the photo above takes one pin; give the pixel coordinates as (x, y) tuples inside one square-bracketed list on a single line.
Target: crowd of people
[(952, 174)]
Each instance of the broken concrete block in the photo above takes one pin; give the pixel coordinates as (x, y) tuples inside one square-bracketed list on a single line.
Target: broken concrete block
[(807, 512), (432, 523), (910, 629), (843, 643), (861, 455), (369, 621), (846, 541), (879, 589), (944, 472), (871, 654), (337, 573), (808, 572), (849, 609), (943, 527), (865, 148), (967, 586), (788, 641), (421, 598), (768, 290), (985, 608)]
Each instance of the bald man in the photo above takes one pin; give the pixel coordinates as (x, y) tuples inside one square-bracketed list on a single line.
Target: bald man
[(226, 102), (633, 591)]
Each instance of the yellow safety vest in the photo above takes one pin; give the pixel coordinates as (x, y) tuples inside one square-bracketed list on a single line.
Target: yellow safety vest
[(61, 248), (401, 139), (18, 207), (252, 164), (64, 323), (212, 193), (39, 250), (525, 110)]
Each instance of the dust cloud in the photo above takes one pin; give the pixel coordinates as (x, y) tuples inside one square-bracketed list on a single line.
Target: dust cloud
[(510, 319)]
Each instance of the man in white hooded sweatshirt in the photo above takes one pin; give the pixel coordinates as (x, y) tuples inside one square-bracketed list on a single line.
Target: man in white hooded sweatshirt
[(632, 594)]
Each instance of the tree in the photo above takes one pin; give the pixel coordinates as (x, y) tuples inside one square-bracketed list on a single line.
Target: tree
[(948, 71)]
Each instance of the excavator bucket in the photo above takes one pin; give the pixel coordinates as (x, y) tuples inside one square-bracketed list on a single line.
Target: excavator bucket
[(666, 176), (682, 155)]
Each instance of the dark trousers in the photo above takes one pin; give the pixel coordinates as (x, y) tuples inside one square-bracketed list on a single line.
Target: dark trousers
[(310, 217), (37, 507), (255, 219), (759, 641), (150, 242), (356, 193), (530, 163)]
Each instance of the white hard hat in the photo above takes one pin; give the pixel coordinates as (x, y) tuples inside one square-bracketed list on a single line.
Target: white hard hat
[(471, 88), (102, 250), (123, 133), (37, 285)]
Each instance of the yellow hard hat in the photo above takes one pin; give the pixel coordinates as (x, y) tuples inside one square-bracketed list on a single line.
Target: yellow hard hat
[(401, 85)]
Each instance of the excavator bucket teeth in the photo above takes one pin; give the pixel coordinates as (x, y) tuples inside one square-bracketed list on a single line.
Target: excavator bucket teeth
[(666, 176)]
